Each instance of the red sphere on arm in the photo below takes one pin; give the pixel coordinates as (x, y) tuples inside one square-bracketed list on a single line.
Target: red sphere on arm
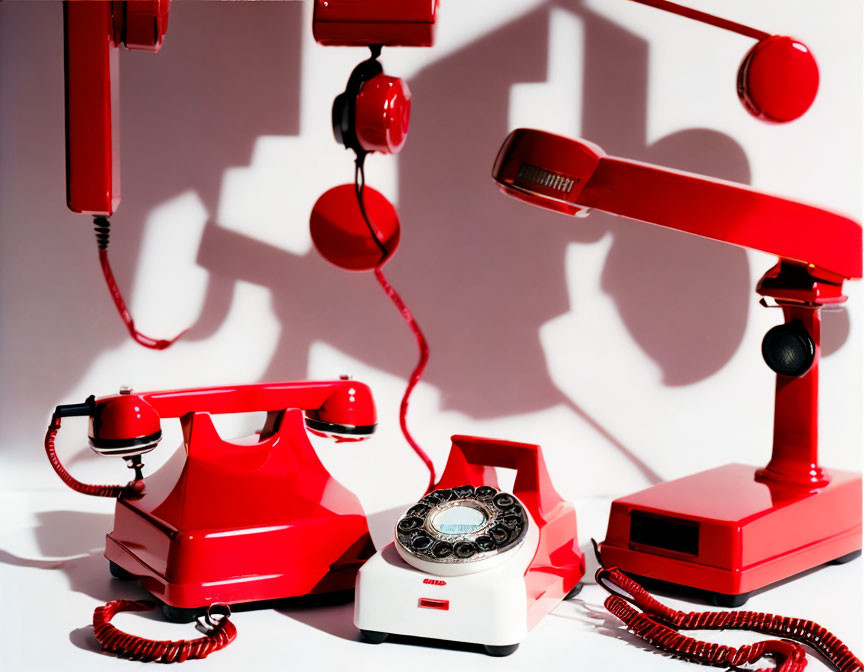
[(778, 79)]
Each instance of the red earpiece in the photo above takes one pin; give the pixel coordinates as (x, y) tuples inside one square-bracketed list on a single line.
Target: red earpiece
[(124, 425), (341, 234), (373, 113), (778, 78)]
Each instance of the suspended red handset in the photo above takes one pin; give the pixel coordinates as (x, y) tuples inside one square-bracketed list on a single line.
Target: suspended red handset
[(734, 529), (778, 78), (354, 227), (230, 521), (360, 23), (94, 31)]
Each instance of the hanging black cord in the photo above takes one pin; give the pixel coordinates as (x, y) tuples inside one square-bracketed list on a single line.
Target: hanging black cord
[(359, 188)]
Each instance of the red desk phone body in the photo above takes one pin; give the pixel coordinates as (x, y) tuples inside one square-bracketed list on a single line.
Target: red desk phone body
[(231, 522), (733, 529)]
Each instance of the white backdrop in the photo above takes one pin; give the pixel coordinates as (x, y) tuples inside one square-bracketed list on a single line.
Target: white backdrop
[(532, 317), (630, 353)]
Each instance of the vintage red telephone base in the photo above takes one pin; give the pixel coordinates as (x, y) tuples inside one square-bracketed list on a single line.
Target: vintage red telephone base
[(727, 533), (240, 522)]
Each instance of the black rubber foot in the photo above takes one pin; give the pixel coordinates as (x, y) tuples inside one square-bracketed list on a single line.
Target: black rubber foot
[(724, 600), (500, 651), (373, 636), (179, 614), (575, 591), (118, 572), (843, 559)]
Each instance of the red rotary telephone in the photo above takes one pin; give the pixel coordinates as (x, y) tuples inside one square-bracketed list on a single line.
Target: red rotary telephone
[(290, 529)]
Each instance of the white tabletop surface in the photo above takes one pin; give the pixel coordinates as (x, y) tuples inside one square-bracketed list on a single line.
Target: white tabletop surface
[(53, 574)]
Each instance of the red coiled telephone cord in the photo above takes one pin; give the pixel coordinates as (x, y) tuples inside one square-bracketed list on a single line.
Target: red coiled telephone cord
[(658, 625), (71, 481), (102, 227), (221, 633)]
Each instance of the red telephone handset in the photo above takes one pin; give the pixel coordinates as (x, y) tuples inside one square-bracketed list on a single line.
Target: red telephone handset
[(128, 425), (93, 32)]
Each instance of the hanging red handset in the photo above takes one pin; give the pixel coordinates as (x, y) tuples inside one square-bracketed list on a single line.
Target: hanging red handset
[(231, 521), (734, 529), (354, 226), (94, 31)]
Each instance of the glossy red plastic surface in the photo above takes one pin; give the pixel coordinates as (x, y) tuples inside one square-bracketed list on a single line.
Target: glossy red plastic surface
[(145, 23), (558, 564), (126, 416), (778, 79), (248, 520), (357, 23), (93, 31), (382, 114), (92, 166), (568, 175), (751, 533), (340, 233)]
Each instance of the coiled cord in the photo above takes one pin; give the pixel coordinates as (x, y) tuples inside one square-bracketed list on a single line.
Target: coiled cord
[(102, 228), (658, 626), (84, 488), (220, 635)]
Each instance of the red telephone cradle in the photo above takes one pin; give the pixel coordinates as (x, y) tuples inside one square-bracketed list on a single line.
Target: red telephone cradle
[(734, 529), (244, 521), (558, 565)]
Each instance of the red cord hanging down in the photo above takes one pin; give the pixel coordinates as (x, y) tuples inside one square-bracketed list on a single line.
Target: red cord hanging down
[(78, 486), (422, 345), (415, 374), (221, 634), (659, 626), (102, 226), (704, 17)]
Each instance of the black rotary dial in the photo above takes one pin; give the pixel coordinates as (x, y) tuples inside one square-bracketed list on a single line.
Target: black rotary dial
[(462, 524)]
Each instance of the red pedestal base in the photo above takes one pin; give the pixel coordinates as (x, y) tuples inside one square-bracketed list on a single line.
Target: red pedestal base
[(724, 532)]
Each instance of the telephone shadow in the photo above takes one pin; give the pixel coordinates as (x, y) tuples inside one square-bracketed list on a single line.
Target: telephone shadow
[(186, 115), (327, 613), (482, 273)]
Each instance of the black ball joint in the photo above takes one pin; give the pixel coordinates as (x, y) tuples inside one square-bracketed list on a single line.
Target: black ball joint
[(789, 350)]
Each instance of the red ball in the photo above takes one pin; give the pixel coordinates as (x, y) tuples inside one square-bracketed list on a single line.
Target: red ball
[(341, 235), (778, 79)]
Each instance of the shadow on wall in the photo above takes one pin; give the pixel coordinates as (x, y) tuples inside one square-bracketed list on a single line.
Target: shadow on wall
[(482, 272), (187, 114)]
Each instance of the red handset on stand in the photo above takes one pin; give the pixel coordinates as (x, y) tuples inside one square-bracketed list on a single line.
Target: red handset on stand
[(734, 529), (791, 515)]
